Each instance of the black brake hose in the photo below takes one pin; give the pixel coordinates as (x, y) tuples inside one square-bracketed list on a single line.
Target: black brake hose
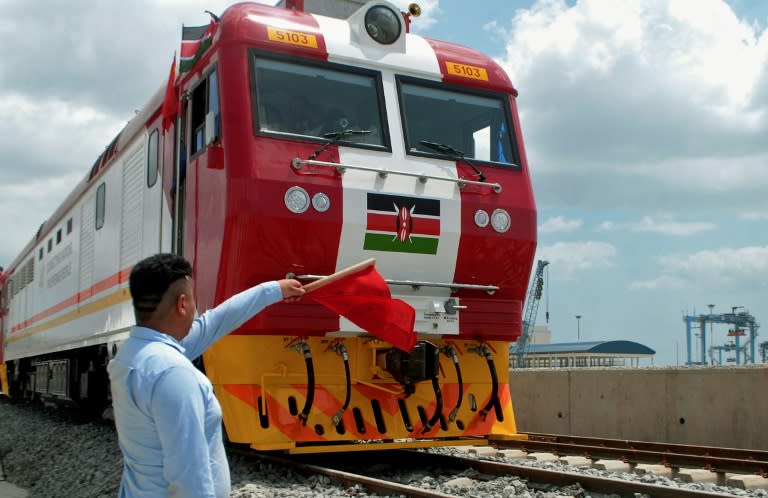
[(455, 410), (310, 382), (345, 356), (438, 409), (494, 401)]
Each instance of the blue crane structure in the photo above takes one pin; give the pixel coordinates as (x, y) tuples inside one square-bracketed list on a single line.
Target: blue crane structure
[(529, 319), (764, 351), (742, 323)]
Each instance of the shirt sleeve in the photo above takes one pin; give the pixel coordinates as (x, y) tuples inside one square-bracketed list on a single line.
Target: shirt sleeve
[(178, 408), (226, 317)]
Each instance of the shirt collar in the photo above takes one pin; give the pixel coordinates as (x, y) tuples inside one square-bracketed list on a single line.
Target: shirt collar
[(147, 334)]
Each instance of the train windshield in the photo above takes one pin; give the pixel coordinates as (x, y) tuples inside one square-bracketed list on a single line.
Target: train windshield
[(320, 102), (456, 123)]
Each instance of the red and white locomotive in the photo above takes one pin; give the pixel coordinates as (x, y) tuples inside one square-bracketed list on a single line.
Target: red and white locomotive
[(306, 138)]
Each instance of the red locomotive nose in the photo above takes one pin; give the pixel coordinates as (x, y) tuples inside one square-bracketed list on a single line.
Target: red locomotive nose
[(404, 224)]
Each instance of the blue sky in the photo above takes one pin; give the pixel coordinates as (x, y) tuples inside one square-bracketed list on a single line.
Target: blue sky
[(645, 125)]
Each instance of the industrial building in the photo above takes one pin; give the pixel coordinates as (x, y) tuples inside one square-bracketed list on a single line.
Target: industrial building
[(584, 354)]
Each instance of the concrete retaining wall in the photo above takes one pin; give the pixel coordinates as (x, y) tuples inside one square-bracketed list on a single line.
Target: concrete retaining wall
[(705, 406)]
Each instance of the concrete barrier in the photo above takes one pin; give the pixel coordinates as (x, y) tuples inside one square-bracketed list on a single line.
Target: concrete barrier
[(718, 406)]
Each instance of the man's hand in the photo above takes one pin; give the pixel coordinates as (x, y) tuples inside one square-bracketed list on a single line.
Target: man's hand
[(292, 290)]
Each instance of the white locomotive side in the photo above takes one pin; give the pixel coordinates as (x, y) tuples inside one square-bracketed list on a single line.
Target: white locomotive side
[(76, 294)]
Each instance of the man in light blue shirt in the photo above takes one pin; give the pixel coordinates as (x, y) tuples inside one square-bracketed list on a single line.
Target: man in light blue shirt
[(167, 417)]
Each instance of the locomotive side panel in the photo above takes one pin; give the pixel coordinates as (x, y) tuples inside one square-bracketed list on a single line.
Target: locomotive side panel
[(78, 296)]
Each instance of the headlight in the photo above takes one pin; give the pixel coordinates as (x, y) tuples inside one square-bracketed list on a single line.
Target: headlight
[(296, 200), (481, 218), (382, 24), (321, 202), (500, 220)]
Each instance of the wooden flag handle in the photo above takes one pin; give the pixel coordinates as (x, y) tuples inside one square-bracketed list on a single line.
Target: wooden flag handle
[(339, 274)]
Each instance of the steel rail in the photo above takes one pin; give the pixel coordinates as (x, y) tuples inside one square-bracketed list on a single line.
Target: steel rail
[(562, 478), (710, 458), (420, 460), (715, 451), (380, 486)]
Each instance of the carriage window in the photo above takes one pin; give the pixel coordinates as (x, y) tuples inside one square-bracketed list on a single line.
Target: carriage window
[(319, 102), (454, 123), (152, 159), (101, 198), (205, 99)]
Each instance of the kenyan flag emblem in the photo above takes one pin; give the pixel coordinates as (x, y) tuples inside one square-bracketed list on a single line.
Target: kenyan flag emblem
[(402, 224)]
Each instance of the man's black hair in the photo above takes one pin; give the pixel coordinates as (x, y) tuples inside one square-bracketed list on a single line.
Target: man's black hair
[(151, 277)]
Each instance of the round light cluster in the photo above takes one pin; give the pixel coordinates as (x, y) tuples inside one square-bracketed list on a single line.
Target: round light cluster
[(481, 218), (382, 24), (499, 220), (321, 202), (297, 200)]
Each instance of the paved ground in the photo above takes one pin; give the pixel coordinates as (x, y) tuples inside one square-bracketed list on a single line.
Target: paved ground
[(8, 490)]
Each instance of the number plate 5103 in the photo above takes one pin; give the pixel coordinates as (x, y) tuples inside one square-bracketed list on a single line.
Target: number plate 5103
[(292, 37)]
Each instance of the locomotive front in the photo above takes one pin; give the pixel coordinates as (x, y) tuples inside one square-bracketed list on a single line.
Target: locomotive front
[(347, 138)]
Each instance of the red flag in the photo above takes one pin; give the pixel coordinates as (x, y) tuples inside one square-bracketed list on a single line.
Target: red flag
[(171, 100), (363, 297)]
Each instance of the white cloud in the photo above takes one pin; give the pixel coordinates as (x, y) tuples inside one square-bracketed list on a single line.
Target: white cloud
[(641, 102), (570, 258), (745, 267), (669, 227), (607, 226), (700, 50), (29, 205), (755, 216), (665, 225), (663, 282), (560, 224), (430, 9), (708, 175), (51, 136)]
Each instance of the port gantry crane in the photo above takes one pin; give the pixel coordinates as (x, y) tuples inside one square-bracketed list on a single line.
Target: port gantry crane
[(742, 321), (529, 319)]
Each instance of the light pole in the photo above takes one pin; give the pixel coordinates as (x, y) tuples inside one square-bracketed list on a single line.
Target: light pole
[(578, 328), (696, 345), (711, 336)]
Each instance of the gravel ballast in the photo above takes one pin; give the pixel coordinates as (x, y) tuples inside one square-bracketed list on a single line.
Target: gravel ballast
[(51, 457)]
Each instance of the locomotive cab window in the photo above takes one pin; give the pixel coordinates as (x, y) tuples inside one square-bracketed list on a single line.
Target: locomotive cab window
[(328, 102), (101, 204), (205, 115), (152, 159), (452, 122)]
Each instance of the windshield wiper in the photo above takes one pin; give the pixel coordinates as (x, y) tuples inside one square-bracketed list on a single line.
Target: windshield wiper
[(334, 137), (450, 151)]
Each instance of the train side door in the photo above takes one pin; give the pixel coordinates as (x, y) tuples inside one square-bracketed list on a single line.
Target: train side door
[(199, 149), (179, 187), (171, 225)]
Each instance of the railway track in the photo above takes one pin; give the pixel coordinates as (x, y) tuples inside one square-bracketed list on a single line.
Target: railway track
[(411, 473), (377, 472), (715, 459)]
